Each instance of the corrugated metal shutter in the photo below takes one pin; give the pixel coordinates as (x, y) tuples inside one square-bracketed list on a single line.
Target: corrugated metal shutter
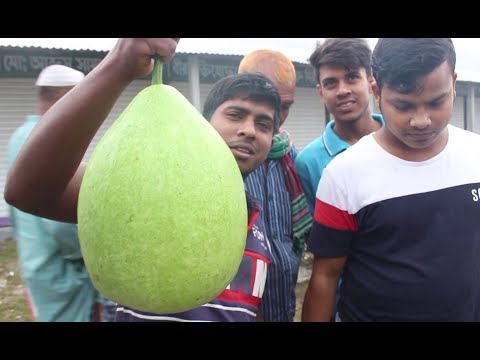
[(18, 98), (184, 88), (458, 112), (204, 90), (477, 115), (306, 120)]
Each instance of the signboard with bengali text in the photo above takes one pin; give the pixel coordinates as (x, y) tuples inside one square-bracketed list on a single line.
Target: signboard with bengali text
[(17, 62)]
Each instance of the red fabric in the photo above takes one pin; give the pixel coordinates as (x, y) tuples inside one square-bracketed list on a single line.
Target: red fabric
[(333, 217)]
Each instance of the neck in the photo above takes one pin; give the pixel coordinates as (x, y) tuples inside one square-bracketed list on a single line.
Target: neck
[(352, 131)]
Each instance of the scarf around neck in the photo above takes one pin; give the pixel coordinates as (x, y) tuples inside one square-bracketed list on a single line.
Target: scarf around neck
[(302, 220)]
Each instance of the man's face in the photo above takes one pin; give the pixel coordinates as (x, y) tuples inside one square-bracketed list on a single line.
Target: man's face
[(346, 94), (415, 123), (247, 128)]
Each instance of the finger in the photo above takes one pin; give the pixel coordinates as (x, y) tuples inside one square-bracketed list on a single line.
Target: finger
[(165, 48)]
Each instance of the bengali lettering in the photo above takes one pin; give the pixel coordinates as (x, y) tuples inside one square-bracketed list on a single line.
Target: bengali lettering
[(215, 71), (179, 68), (15, 63), (86, 64), (40, 62)]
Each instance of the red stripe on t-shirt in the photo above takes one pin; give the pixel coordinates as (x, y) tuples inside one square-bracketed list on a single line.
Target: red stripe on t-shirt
[(239, 297), (253, 216), (333, 217)]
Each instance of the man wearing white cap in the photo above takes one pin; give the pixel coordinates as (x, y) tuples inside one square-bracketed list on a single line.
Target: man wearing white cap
[(58, 285)]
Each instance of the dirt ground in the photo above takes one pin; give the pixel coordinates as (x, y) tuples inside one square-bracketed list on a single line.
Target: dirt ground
[(303, 278), (13, 306), (300, 291)]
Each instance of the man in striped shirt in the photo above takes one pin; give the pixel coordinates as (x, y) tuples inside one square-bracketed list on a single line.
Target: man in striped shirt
[(277, 186)]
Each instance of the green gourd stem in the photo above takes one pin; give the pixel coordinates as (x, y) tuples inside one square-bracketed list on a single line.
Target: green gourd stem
[(157, 71)]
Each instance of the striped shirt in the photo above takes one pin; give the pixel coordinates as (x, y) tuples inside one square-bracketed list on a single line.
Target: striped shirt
[(267, 184)]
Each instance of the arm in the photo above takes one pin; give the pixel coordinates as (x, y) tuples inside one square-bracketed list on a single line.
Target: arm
[(319, 300), (308, 189), (46, 176)]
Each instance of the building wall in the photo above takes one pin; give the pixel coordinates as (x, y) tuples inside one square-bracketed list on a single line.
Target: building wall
[(18, 99), (15, 104)]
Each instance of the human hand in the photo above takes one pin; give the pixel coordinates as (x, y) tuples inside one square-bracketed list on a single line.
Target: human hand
[(134, 57)]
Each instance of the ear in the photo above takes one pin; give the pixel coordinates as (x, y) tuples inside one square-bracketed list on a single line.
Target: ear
[(454, 85), (375, 90), (370, 80), (319, 91)]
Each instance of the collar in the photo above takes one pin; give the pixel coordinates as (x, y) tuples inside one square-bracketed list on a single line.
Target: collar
[(332, 142), (34, 118)]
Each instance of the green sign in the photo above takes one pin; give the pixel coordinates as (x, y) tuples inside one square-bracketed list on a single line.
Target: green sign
[(28, 62)]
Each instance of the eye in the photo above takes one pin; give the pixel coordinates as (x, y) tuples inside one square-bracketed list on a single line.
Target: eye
[(234, 115), (402, 106), (437, 103), (328, 83), (265, 125)]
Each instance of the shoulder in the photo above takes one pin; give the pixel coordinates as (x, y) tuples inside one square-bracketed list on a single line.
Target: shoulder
[(357, 155), (463, 143), (312, 149), (457, 132)]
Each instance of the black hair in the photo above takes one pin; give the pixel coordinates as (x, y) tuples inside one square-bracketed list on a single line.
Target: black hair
[(351, 53), (248, 86), (401, 63)]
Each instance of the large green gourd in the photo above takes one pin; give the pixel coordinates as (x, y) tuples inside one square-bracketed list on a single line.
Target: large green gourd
[(162, 211)]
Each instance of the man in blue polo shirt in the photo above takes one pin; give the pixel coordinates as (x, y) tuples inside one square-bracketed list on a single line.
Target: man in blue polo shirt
[(344, 73), (343, 70)]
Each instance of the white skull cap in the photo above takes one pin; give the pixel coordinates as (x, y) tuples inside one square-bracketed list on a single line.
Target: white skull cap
[(59, 75)]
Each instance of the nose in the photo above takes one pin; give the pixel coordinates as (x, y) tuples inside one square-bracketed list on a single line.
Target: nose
[(421, 119), (343, 89), (247, 127)]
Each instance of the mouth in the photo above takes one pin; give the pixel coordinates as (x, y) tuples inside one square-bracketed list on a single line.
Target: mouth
[(421, 136), (242, 151), (345, 105)]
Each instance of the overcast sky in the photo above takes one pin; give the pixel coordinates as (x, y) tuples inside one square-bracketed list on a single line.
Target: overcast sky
[(298, 49)]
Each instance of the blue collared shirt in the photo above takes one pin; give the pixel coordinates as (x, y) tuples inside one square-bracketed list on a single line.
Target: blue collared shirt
[(315, 157)]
